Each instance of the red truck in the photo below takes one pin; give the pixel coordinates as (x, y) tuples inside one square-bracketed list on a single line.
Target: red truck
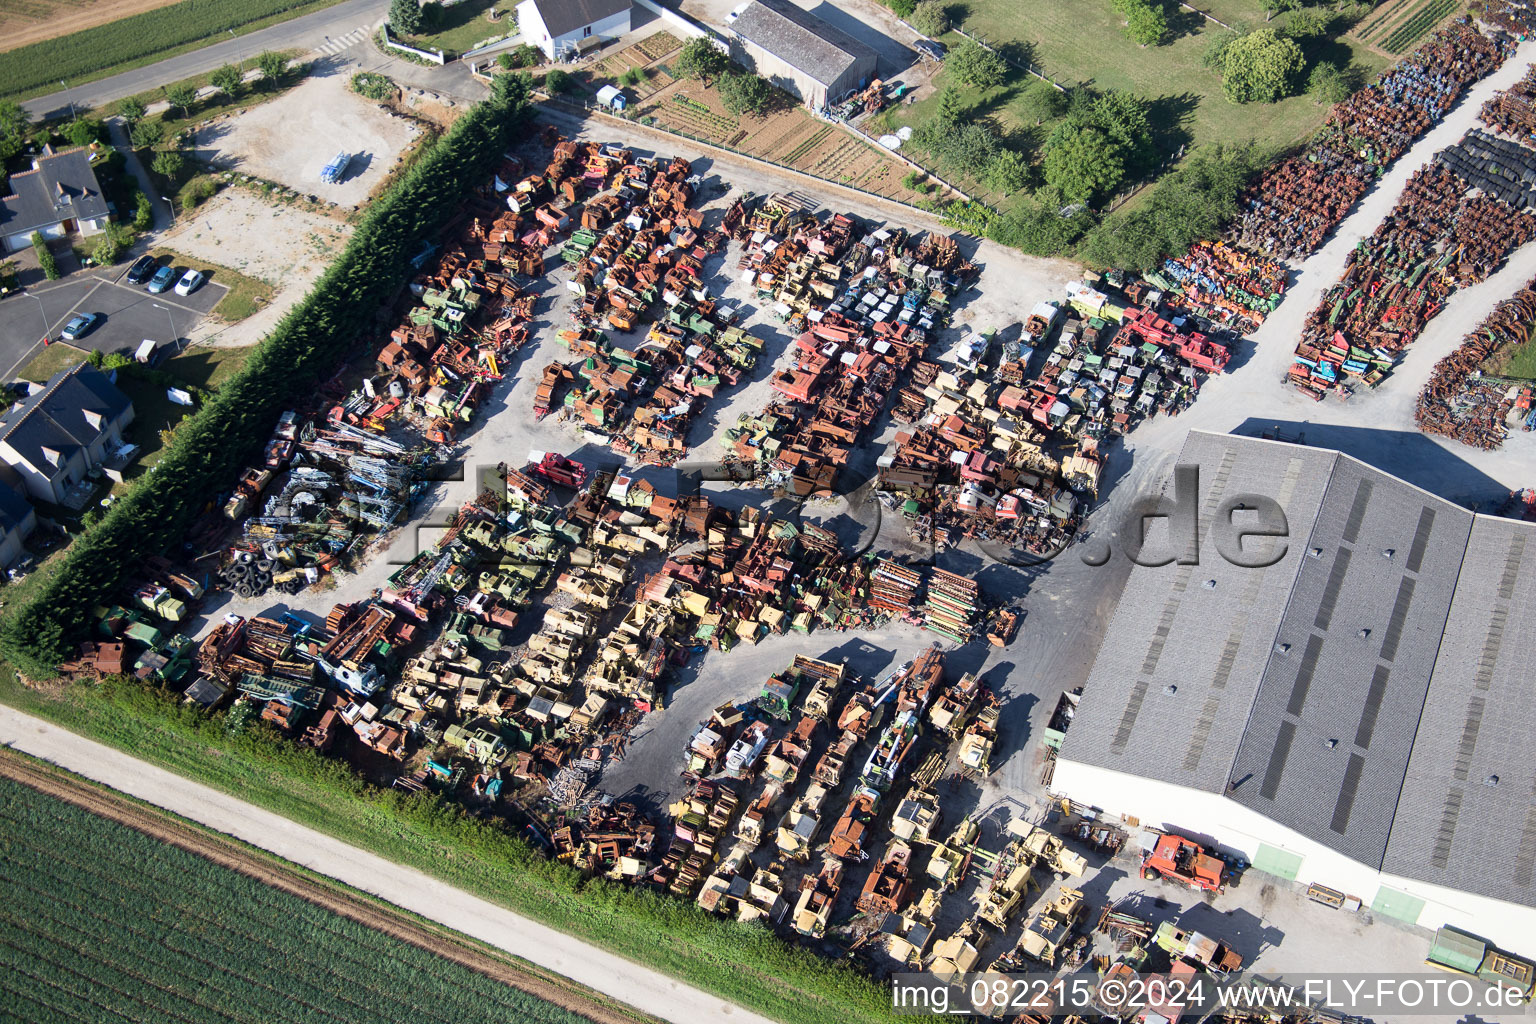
[(1185, 862), (558, 469)]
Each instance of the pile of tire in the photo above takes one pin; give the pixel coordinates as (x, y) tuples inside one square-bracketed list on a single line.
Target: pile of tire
[(1503, 169), (247, 574)]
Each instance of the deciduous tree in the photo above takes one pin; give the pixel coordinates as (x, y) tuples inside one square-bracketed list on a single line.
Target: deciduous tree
[(1146, 24), (228, 80), (169, 164), (82, 131), (931, 18), (181, 97), (1260, 67), (1041, 102), (701, 59), (973, 64), (13, 128), (1327, 84), (746, 94), (1083, 162), (131, 110), (404, 17), (273, 66)]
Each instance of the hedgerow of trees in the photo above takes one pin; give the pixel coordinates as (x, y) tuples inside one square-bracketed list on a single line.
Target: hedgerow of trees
[(211, 447)]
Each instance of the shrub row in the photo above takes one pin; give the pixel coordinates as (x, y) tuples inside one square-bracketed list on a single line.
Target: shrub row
[(212, 445)]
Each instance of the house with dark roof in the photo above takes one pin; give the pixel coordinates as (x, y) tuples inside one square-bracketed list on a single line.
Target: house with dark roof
[(58, 196), (17, 521), (63, 431), (799, 52), (567, 28), (1356, 714)]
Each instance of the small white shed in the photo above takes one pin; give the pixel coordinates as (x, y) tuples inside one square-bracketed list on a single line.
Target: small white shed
[(611, 96)]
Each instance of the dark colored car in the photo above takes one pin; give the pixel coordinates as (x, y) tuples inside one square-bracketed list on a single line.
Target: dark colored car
[(142, 269), (163, 279), (79, 326)]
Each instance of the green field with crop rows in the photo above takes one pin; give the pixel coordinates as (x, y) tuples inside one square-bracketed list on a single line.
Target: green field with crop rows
[(136, 40), (103, 923)]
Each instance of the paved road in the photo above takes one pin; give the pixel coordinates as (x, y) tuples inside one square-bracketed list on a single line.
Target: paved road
[(132, 314), (331, 31), (614, 976)]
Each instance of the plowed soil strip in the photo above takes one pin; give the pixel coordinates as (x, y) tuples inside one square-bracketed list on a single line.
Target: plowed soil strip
[(236, 856)]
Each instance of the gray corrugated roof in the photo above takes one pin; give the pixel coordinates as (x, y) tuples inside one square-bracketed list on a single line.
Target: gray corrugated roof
[(55, 416), (1209, 643), (1327, 745), (1380, 746), (799, 38), (562, 16), (1453, 827), (41, 194)]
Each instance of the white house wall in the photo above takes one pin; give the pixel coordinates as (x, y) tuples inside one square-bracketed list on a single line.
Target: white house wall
[(1238, 829), (611, 27)]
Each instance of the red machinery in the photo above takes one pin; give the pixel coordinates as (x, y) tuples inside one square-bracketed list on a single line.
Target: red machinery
[(558, 469), (1184, 861)]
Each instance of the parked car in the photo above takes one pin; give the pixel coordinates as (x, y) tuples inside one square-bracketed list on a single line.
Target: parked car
[(162, 280), (930, 49), (142, 269), (190, 282), (79, 326)]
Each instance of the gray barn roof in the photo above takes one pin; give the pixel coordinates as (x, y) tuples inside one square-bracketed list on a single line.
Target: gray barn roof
[(1326, 746), (800, 39), (1319, 691), (61, 187), (562, 16), (58, 416), (1467, 817)]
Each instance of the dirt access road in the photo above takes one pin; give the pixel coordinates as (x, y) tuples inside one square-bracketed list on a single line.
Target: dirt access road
[(274, 873), (613, 976)]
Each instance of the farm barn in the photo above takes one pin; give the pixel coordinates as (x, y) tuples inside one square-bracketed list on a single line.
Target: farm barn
[(798, 52), (1324, 717)]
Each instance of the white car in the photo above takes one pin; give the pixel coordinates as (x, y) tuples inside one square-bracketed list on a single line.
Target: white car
[(190, 282)]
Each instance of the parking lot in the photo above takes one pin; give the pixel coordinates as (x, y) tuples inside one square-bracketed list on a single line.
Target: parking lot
[(130, 313)]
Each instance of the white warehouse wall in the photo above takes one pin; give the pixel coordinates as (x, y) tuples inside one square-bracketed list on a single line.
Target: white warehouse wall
[(1239, 829)]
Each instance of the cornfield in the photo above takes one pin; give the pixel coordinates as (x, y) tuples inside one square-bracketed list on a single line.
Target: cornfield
[(103, 923)]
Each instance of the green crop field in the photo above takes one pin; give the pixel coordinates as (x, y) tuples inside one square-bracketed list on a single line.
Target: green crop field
[(137, 40), (103, 923)]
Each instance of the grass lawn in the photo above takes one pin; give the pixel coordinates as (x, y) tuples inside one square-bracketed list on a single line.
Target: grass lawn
[(1081, 42), (52, 359), (153, 410), (204, 366), (245, 295), (461, 26), (1519, 362)]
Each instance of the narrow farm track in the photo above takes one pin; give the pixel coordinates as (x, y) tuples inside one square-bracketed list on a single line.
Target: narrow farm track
[(235, 856), (626, 981)]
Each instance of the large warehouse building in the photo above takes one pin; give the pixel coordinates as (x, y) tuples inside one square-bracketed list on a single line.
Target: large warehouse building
[(1358, 714), (798, 52)]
